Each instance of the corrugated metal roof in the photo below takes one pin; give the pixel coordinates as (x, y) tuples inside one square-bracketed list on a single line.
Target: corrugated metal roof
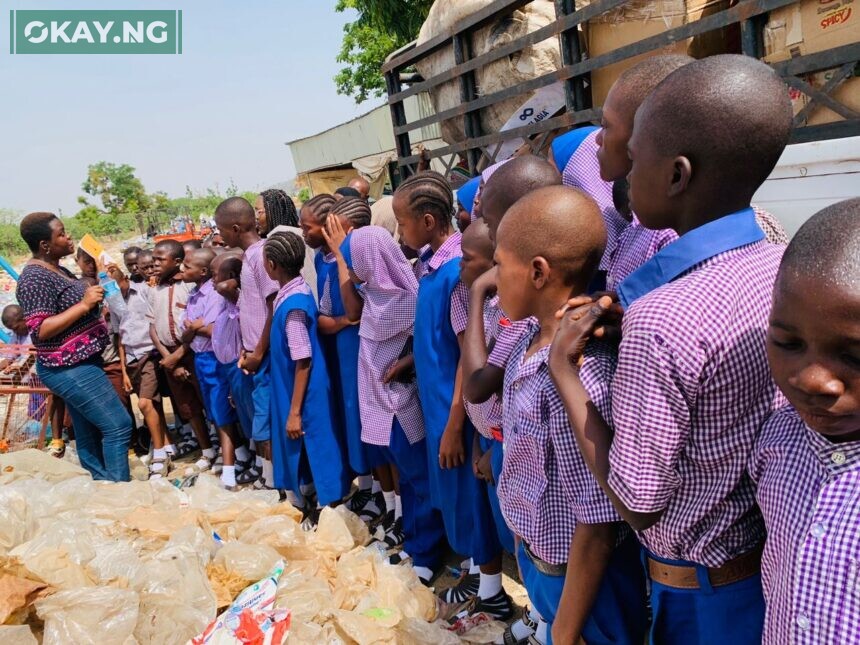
[(368, 134)]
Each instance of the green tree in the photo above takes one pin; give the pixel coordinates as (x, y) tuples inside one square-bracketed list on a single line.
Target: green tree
[(381, 27), (116, 187)]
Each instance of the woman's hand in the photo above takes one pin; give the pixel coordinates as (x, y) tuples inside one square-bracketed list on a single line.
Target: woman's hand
[(334, 234), (93, 296)]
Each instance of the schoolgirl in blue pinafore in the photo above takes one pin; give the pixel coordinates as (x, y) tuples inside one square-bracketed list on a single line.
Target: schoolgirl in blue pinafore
[(319, 449), (341, 352), (469, 524)]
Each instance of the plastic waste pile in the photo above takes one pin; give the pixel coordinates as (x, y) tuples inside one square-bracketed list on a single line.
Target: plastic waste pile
[(146, 562)]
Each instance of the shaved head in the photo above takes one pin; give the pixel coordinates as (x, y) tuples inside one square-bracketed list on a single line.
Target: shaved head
[(729, 115), (477, 238), (561, 224), (827, 248), (512, 182), (203, 257), (635, 84), (361, 185), (235, 210)]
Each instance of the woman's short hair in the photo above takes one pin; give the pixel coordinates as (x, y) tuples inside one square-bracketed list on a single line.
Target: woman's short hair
[(36, 228)]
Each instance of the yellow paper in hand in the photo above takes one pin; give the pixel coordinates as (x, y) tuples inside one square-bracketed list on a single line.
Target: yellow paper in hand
[(95, 250)]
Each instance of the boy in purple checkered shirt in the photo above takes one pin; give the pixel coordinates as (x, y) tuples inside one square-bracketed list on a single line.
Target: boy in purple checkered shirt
[(692, 387), (806, 462), (579, 563)]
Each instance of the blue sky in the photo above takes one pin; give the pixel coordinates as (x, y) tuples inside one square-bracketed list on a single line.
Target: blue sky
[(252, 75)]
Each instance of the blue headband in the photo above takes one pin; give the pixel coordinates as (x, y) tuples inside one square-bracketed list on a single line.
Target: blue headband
[(467, 192)]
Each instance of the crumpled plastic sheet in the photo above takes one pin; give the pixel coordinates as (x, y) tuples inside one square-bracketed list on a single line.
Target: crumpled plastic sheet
[(146, 562)]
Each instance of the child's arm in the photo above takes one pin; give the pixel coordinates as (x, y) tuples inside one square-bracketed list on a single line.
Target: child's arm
[(334, 237), (206, 330), (300, 387), (330, 325), (168, 360), (592, 433), (590, 551), (126, 381), (480, 379), (190, 330), (250, 362), (452, 452)]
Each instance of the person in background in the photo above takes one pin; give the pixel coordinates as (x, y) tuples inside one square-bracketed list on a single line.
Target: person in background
[(189, 246), (346, 191), (806, 461), (382, 214), (276, 213), (146, 266), (361, 185), (69, 336), (167, 304), (130, 258), (466, 203)]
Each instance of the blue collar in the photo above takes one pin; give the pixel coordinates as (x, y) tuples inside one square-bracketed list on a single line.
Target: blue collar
[(721, 235)]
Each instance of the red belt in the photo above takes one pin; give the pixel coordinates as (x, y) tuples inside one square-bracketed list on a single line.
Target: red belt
[(497, 434)]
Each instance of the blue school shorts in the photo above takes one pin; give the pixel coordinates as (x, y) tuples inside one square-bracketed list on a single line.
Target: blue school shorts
[(506, 538), (619, 614), (731, 613), (241, 391), (214, 389)]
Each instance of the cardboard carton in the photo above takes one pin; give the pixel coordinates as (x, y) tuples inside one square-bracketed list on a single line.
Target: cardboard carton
[(847, 93), (810, 26)]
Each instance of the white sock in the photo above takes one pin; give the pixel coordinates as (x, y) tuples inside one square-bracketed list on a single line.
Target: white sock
[(365, 482), (541, 632), (491, 584), (293, 499), (534, 615), (390, 502), (423, 572), (267, 472), (376, 488), (398, 507), (259, 461), (159, 453), (242, 453), (209, 453), (169, 448), (519, 629), (473, 568), (228, 475)]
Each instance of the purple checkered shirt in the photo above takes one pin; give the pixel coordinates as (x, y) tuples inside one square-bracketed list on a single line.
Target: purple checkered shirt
[(637, 244), (257, 286), (203, 302), (502, 338), (226, 334), (296, 326), (390, 292), (325, 307), (545, 488), (583, 171), (809, 494), (689, 396)]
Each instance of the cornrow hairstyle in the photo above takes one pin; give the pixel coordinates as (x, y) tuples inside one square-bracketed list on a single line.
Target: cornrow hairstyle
[(280, 209), (36, 228), (320, 206), (354, 210), (286, 250), (429, 192)]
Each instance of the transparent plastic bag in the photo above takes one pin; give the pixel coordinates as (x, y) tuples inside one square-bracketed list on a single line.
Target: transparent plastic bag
[(251, 561), (17, 524), (364, 630), (16, 596), (419, 632), (277, 531), (99, 615), (32, 463), (308, 598), (17, 635), (333, 533)]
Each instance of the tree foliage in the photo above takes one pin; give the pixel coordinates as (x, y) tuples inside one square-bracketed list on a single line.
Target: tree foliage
[(382, 27), (116, 187)]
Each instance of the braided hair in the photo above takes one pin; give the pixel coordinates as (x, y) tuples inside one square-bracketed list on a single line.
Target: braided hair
[(429, 192), (287, 251), (280, 209), (320, 206), (354, 210)]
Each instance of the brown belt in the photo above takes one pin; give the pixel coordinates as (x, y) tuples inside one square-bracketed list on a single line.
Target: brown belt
[(684, 577)]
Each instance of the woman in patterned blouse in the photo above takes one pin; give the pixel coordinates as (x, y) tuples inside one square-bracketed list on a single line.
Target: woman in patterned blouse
[(69, 334)]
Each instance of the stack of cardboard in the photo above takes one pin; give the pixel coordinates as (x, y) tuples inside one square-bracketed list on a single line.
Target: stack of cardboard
[(641, 19), (811, 26)]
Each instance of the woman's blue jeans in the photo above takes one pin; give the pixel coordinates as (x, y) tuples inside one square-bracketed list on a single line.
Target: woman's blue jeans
[(101, 422)]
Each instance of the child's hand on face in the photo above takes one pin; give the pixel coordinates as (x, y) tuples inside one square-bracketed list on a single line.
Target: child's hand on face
[(576, 328), (334, 234), (487, 283), (452, 452)]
